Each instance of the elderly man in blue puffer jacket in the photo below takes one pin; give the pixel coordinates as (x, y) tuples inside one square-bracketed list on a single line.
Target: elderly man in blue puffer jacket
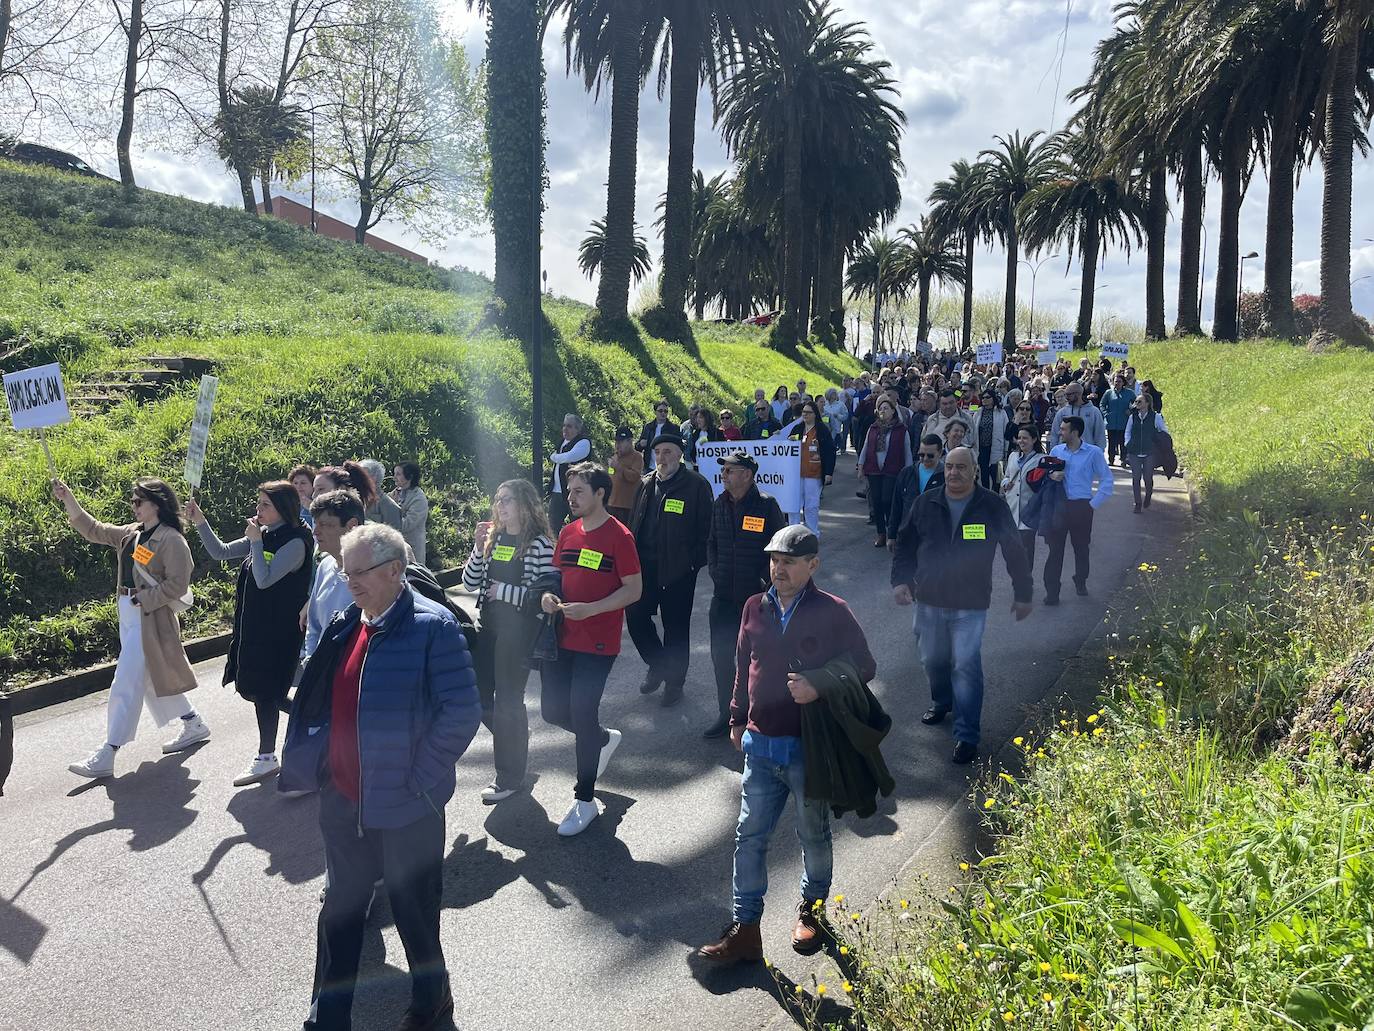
[(387, 705)]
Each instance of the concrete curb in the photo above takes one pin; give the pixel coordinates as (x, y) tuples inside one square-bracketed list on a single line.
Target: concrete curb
[(43, 693)]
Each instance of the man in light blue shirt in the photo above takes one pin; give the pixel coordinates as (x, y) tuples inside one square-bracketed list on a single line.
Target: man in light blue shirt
[(1083, 464), (335, 514)]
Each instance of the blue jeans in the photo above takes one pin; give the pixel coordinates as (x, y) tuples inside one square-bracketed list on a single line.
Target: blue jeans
[(763, 797), (952, 652)]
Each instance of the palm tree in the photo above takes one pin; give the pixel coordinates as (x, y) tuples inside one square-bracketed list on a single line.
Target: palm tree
[(810, 87), (592, 253), (956, 209), (1082, 207), (931, 254), (880, 269), (704, 193), (1016, 167), (604, 41), (737, 265)]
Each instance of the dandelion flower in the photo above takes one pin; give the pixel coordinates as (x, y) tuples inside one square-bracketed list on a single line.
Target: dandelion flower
[(820, 989), (854, 916), (1069, 976), (1018, 741), (796, 989), (1008, 1016), (905, 903), (1007, 777), (839, 900), (1047, 997), (1097, 732), (989, 803), (1044, 968), (964, 867), (847, 987), (1092, 718)]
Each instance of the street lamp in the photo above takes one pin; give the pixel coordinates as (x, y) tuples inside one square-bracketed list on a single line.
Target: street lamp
[(1240, 287), (1035, 272)]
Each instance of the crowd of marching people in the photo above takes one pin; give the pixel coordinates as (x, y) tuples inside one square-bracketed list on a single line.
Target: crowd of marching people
[(338, 621)]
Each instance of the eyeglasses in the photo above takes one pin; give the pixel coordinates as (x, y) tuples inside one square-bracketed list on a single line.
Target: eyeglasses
[(1023, 408), (501, 499), (136, 501), (346, 577)]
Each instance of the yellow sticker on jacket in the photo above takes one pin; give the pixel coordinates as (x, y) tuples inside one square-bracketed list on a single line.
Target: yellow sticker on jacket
[(674, 505), (143, 555), (767, 434), (611, 471), (754, 524), (503, 552), (589, 559), (975, 532)]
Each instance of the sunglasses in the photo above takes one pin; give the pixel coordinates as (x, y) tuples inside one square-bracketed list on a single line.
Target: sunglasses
[(1023, 408), (727, 417)]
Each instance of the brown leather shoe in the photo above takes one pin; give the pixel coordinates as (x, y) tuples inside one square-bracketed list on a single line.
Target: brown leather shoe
[(809, 932), (741, 943)]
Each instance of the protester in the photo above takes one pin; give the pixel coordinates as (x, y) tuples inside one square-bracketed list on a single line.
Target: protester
[(703, 431), (786, 636), (335, 512), (956, 433), (152, 585), (1017, 488), (1095, 429), (1117, 403), (1083, 463), (989, 437), (763, 425), (928, 473), (274, 580), (574, 447), (1142, 431), (382, 509), (1147, 386), (302, 477), (946, 412), (386, 707), (601, 576), (782, 406), (886, 452), (943, 560), (743, 521), (627, 469), (729, 429), (653, 429), (836, 418), (510, 568), (817, 463), (414, 506), (1041, 406), (670, 522), (350, 476)]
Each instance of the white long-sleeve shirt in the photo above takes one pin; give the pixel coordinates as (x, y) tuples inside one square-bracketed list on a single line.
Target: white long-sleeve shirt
[(577, 453)]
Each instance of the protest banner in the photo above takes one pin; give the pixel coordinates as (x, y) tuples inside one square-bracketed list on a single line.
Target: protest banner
[(1046, 358), (989, 354), (779, 467), (37, 399), (1115, 351), (924, 346), (200, 430), (1061, 340)]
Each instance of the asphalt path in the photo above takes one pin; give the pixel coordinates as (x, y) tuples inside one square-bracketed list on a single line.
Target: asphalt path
[(167, 899)]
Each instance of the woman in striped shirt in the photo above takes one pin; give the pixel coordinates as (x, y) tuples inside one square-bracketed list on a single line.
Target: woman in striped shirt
[(509, 554)]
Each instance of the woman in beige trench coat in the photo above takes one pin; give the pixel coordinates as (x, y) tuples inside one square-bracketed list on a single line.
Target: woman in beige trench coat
[(153, 584)]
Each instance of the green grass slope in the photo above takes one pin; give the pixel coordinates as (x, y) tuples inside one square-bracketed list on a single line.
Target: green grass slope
[(326, 352)]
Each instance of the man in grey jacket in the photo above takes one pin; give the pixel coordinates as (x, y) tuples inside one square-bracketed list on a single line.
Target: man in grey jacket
[(1094, 428)]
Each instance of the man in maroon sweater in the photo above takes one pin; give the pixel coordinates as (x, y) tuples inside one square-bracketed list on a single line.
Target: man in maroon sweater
[(794, 626)]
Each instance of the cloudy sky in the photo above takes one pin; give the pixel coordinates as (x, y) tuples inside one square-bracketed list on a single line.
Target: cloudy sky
[(967, 70)]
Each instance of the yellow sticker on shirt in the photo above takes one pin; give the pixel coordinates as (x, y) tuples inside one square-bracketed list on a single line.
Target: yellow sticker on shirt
[(589, 559), (975, 532), (143, 555), (754, 524), (503, 552), (674, 505)]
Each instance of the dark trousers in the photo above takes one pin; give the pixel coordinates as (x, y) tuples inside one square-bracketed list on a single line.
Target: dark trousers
[(558, 511), (507, 634), (666, 658), (1028, 545), (1142, 472), (571, 699), (1116, 445), (725, 616), (988, 470), (1078, 527), (410, 860), (880, 490)]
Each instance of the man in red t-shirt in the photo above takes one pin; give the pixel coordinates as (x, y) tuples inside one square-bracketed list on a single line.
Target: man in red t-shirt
[(597, 558)]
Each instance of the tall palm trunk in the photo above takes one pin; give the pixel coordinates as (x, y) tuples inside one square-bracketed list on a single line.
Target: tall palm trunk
[(1190, 248), (1092, 248), (969, 243), (1013, 256), (1278, 234), (1226, 324), (1335, 317), (613, 290), (877, 318), (923, 308), (133, 30), (825, 269), (684, 83), (1156, 233), (794, 313), (836, 303)]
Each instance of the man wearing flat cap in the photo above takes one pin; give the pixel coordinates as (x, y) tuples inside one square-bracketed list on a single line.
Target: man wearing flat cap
[(671, 520), (794, 626), (743, 521)]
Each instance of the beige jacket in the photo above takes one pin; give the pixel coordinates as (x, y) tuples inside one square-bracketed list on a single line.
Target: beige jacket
[(171, 566)]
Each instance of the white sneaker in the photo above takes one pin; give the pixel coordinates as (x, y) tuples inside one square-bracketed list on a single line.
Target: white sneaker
[(193, 732), (98, 764), (579, 818), (607, 750), (259, 769), (491, 794)]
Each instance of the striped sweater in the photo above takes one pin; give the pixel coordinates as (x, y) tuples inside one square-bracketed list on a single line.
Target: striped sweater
[(538, 562)]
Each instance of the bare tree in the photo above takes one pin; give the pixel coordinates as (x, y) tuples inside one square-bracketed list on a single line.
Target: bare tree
[(405, 118), (40, 42)]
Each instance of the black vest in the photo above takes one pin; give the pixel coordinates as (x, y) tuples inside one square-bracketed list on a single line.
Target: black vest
[(267, 635)]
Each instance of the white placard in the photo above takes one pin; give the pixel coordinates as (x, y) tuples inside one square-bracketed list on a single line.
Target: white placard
[(200, 430), (37, 397), (1115, 351), (989, 354), (1061, 340), (779, 467), (1046, 358), (924, 347)]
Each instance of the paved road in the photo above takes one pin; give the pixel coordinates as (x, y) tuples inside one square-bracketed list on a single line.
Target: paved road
[(166, 899)]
